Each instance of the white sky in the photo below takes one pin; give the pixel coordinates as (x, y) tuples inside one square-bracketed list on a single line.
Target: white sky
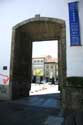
[(45, 48), (14, 11)]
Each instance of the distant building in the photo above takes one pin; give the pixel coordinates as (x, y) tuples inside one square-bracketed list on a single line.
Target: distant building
[(38, 66), (46, 67), (51, 67)]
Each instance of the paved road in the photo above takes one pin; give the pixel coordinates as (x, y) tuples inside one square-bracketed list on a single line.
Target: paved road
[(34, 110)]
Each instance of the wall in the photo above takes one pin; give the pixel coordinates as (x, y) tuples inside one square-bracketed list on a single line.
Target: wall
[(74, 54), (15, 11)]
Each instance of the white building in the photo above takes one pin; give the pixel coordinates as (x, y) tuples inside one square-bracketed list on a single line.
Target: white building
[(51, 67), (14, 11)]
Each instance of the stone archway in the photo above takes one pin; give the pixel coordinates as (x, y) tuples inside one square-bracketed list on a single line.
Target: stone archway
[(23, 34)]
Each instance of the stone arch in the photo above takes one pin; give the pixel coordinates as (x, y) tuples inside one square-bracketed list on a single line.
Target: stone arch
[(23, 34)]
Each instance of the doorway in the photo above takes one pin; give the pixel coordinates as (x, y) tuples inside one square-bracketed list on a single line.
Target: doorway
[(44, 67)]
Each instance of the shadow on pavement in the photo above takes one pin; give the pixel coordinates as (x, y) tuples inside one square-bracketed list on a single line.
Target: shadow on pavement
[(33, 110)]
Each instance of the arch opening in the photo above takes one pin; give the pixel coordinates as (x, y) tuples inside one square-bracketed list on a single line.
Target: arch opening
[(24, 33)]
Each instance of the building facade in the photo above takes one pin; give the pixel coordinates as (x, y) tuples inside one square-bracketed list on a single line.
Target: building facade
[(38, 66), (51, 67)]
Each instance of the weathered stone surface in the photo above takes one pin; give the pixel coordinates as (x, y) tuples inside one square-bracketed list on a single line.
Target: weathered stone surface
[(73, 98), (72, 94)]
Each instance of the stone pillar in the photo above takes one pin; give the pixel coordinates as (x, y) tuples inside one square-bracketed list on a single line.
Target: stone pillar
[(21, 65), (59, 63), (62, 62), (62, 57)]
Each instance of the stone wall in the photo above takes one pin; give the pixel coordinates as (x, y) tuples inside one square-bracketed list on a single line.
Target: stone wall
[(72, 94)]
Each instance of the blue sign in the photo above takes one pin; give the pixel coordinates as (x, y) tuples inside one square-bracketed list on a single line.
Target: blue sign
[(74, 24)]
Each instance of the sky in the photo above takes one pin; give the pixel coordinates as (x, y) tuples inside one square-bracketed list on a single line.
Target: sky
[(13, 13), (45, 48)]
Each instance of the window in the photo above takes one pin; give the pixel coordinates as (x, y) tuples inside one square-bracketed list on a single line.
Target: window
[(4, 67), (38, 61), (34, 61), (47, 73), (51, 67), (42, 61), (47, 67)]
